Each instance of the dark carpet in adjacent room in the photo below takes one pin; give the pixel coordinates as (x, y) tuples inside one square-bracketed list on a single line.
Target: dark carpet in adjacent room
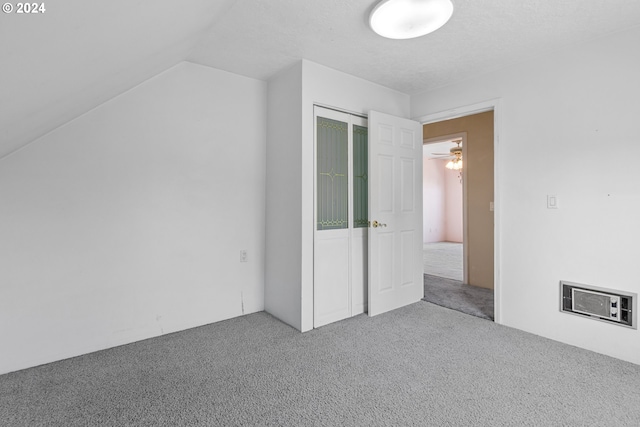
[(458, 296)]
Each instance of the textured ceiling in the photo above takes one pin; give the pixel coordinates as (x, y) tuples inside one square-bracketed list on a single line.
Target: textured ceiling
[(257, 38), (78, 54)]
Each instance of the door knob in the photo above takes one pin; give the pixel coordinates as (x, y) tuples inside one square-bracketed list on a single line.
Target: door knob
[(376, 224)]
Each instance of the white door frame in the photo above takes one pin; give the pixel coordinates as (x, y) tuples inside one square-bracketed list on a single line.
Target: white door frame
[(467, 110)]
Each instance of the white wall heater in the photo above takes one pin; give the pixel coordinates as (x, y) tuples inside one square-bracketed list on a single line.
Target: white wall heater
[(607, 305)]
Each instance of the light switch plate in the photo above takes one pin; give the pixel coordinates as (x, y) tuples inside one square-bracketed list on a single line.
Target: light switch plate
[(552, 201)]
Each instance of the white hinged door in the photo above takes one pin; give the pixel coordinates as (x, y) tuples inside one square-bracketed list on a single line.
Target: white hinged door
[(395, 213)]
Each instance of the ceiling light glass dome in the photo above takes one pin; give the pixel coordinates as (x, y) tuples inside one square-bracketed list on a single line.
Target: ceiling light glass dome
[(407, 19)]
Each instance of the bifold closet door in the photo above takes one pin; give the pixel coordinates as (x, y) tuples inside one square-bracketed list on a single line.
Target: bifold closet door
[(340, 236)]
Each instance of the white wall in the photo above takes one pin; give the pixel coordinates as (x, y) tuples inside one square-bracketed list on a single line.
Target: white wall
[(453, 206), (568, 128), (441, 202), (127, 222), (283, 213), (433, 199)]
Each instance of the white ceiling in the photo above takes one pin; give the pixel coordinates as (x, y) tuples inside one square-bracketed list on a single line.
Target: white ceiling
[(58, 65), (78, 54), (257, 38)]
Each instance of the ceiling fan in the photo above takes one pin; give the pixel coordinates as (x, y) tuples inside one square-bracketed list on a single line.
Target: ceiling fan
[(455, 154)]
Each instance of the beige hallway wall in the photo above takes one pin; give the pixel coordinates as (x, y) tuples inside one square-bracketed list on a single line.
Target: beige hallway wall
[(478, 173)]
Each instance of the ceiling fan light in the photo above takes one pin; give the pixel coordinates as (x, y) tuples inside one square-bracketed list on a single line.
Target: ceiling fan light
[(407, 19), (449, 165)]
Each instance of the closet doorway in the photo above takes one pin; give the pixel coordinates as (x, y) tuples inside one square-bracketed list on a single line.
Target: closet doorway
[(367, 215)]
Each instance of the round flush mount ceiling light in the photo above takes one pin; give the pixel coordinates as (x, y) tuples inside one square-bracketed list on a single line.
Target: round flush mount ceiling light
[(407, 19)]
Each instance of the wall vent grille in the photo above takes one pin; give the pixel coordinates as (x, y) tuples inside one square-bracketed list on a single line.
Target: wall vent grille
[(607, 305)]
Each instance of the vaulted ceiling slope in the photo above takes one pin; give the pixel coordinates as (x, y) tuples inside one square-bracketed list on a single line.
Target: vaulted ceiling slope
[(78, 54)]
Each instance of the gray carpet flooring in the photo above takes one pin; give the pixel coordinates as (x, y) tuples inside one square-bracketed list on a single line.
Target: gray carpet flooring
[(422, 365), (443, 259), (459, 296)]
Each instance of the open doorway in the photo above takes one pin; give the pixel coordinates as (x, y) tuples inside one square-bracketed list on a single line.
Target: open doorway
[(465, 285), (443, 194)]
